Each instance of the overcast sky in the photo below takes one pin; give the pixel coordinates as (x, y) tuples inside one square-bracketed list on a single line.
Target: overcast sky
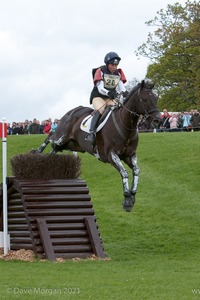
[(49, 47)]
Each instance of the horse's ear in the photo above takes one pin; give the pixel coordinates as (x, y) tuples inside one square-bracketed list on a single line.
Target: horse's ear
[(142, 84), (147, 83)]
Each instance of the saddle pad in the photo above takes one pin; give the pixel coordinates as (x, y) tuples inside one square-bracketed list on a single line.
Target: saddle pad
[(85, 124)]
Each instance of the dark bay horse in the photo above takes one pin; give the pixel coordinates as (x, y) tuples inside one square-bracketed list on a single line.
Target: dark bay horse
[(116, 141)]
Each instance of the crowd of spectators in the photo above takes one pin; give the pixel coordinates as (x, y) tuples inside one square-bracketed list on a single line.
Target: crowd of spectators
[(32, 127), (179, 121), (174, 121)]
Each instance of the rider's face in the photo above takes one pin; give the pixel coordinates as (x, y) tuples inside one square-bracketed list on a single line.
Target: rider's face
[(112, 68)]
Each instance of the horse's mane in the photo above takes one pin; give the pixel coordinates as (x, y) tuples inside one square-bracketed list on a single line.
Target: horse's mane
[(148, 84), (134, 89)]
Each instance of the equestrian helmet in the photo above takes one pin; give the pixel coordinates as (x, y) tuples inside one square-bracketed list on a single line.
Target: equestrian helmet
[(112, 58)]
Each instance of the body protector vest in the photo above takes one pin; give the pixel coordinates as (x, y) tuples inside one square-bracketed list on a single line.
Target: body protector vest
[(110, 81)]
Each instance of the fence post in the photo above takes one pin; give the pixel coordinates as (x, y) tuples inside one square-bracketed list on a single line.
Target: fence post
[(5, 200)]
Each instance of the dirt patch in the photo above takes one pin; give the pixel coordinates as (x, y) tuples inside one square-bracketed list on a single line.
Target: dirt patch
[(29, 255), (22, 254)]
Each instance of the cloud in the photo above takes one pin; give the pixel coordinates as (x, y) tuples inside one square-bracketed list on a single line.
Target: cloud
[(49, 47)]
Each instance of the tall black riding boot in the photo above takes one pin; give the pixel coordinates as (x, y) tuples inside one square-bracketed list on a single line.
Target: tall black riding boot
[(91, 135)]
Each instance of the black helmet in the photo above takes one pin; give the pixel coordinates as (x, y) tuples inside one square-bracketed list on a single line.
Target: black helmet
[(112, 58)]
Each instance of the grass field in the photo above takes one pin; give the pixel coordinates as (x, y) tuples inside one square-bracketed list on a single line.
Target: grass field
[(154, 250)]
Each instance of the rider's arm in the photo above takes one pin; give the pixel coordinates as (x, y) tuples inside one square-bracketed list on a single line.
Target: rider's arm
[(101, 89), (121, 86)]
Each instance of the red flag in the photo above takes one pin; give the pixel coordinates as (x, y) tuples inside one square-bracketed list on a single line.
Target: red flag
[(1, 130)]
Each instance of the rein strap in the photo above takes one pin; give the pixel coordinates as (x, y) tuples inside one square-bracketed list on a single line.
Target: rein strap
[(117, 127)]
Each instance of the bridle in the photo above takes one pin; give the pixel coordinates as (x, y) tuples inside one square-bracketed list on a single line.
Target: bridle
[(141, 101), (133, 113)]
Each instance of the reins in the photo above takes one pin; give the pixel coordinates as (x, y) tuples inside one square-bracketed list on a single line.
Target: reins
[(133, 113)]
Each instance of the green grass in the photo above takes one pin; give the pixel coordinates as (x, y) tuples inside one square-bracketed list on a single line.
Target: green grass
[(154, 250)]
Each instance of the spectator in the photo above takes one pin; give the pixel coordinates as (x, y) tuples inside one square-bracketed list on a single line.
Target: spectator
[(54, 125), (173, 121), (25, 127), (165, 125), (29, 126), (19, 128), (14, 128), (195, 120), (180, 120), (34, 127), (186, 121), (47, 127), (9, 129), (41, 130)]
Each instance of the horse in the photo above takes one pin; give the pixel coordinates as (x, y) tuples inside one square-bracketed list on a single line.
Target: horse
[(116, 140)]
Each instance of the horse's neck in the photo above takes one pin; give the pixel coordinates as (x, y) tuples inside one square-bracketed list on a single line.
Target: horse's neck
[(130, 109), (128, 117)]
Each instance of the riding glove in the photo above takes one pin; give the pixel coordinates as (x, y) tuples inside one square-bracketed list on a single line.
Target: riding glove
[(125, 94), (112, 94)]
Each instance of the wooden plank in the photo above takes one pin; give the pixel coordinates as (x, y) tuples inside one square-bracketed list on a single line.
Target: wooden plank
[(94, 237), (59, 212), (56, 182), (54, 197), (19, 233), (17, 227), (72, 248), (61, 219), (20, 246), (68, 233), (55, 190), (70, 241), (45, 238), (67, 226), (16, 208), (21, 240), (75, 255), (58, 204), (16, 214)]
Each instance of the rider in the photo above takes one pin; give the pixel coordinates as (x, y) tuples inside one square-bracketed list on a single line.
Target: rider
[(107, 80)]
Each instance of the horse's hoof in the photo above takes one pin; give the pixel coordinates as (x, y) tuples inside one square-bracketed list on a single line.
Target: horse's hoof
[(34, 151), (127, 194), (128, 203)]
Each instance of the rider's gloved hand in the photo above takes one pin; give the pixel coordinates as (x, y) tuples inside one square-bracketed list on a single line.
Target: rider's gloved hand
[(125, 94), (112, 94)]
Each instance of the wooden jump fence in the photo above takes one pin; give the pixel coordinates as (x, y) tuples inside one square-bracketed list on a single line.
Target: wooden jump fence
[(54, 218)]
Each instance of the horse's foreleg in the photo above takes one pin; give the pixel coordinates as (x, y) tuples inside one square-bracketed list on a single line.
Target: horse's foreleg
[(136, 173), (116, 162)]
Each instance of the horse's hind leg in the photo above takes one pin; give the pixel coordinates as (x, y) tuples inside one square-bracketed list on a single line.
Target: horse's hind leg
[(42, 146), (56, 149), (136, 173)]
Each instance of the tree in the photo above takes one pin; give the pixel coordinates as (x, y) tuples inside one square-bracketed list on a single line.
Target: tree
[(174, 53)]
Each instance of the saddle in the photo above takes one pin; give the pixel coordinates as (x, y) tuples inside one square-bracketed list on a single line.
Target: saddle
[(85, 124)]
